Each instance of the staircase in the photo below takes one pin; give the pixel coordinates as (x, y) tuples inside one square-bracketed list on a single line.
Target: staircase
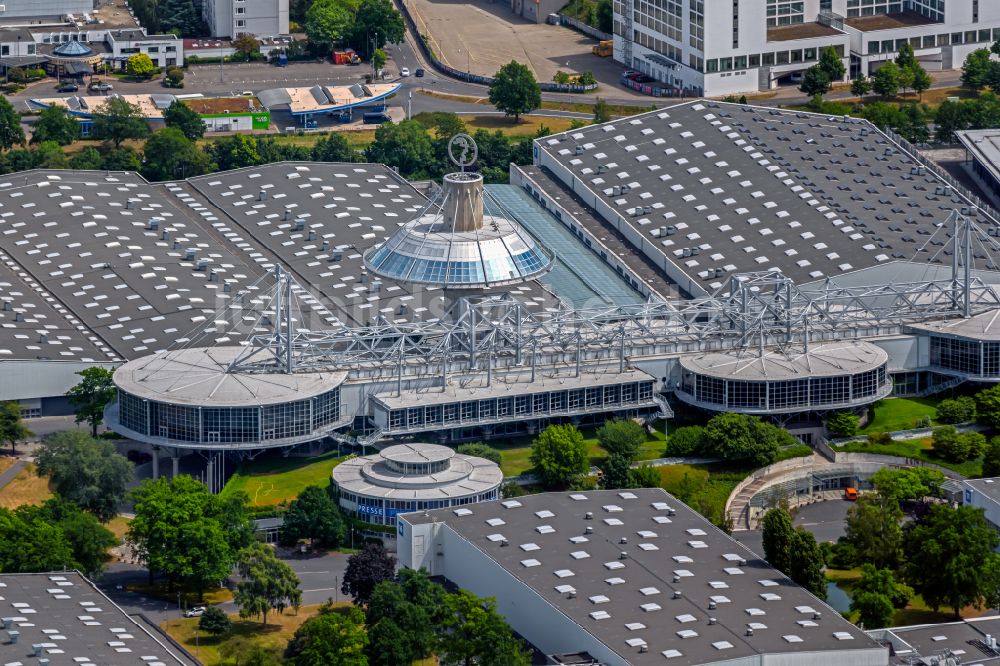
[(938, 388)]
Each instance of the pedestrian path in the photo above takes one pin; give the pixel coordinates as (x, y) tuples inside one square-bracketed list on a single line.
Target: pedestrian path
[(8, 475)]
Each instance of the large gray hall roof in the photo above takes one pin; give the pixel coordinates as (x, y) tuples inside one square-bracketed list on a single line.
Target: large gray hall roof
[(722, 188), (103, 266)]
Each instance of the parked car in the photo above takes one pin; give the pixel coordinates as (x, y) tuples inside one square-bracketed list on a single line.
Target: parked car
[(68, 87), (419, 73), (197, 611), (102, 87), (405, 71), (246, 93), (851, 494)]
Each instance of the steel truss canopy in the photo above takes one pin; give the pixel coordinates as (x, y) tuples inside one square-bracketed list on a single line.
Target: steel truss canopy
[(753, 311)]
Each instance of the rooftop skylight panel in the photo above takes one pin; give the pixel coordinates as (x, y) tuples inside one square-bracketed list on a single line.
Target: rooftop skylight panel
[(579, 554), (545, 529), (733, 571), (614, 581), (578, 539), (662, 520), (564, 573), (687, 633), (672, 653), (843, 636), (634, 626), (528, 547), (495, 538), (614, 522), (510, 504), (528, 564), (600, 615), (613, 565), (565, 589), (599, 599), (495, 522), (792, 638)]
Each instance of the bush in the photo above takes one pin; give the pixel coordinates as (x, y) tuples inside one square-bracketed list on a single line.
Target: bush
[(480, 451), (843, 424), (959, 410), (686, 441), (841, 555), (956, 446), (215, 621), (879, 439)]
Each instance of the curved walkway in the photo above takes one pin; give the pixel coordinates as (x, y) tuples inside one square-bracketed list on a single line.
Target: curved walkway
[(8, 474), (862, 464)]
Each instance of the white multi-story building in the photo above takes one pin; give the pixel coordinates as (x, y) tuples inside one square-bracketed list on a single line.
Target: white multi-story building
[(718, 47), (260, 18)]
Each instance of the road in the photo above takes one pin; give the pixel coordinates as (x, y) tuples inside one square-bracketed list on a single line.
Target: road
[(320, 577), (824, 519)]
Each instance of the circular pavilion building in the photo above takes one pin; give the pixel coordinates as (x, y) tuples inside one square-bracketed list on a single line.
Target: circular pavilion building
[(413, 477), (191, 399), (832, 375)]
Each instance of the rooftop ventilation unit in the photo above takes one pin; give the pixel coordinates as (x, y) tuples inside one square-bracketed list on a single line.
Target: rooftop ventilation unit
[(153, 224), (262, 195), (589, 515), (12, 635), (623, 540), (712, 605), (201, 265), (712, 620), (677, 594), (588, 530), (299, 224), (6, 306), (623, 555), (749, 631), (165, 235), (288, 214), (312, 235)]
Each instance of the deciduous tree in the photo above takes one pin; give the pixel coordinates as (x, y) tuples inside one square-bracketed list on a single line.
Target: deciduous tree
[(957, 446), (332, 638), (615, 472), (832, 65), (333, 148), (861, 86), (991, 458), (11, 133), (885, 80), (778, 536), (266, 583), (976, 69), (406, 146), (12, 428), (404, 618), (621, 437), (602, 111), (805, 563), (913, 483), (815, 82), (246, 45), (182, 117), (365, 570), (91, 396), (475, 634), (86, 471), (314, 515), (951, 559), (686, 441), (328, 22), (959, 410), (170, 155), (183, 531), (55, 124), (28, 544), (988, 406), (873, 529), (215, 621), (735, 436), (118, 120), (376, 24), (514, 90), (140, 66), (559, 455)]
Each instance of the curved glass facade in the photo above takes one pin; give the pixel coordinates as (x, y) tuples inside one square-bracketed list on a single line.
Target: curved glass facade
[(297, 419), (980, 358), (784, 394)]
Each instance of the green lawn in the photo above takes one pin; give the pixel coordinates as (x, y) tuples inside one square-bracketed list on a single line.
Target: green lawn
[(271, 478), (514, 452), (894, 414), (915, 448)]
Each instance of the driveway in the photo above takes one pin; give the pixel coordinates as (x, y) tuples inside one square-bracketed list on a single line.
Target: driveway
[(824, 519)]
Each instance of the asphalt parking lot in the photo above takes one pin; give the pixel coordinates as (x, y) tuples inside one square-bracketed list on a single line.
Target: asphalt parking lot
[(824, 519), (481, 36)]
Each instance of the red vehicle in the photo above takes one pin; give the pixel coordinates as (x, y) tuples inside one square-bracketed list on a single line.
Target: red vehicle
[(851, 494)]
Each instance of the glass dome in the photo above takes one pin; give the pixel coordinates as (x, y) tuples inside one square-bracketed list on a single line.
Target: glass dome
[(461, 240), (73, 50)]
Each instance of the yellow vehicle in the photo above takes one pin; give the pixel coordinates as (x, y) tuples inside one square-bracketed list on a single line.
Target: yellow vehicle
[(603, 49)]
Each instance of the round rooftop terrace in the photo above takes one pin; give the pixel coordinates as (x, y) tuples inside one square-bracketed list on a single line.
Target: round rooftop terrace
[(834, 375), (412, 477)]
